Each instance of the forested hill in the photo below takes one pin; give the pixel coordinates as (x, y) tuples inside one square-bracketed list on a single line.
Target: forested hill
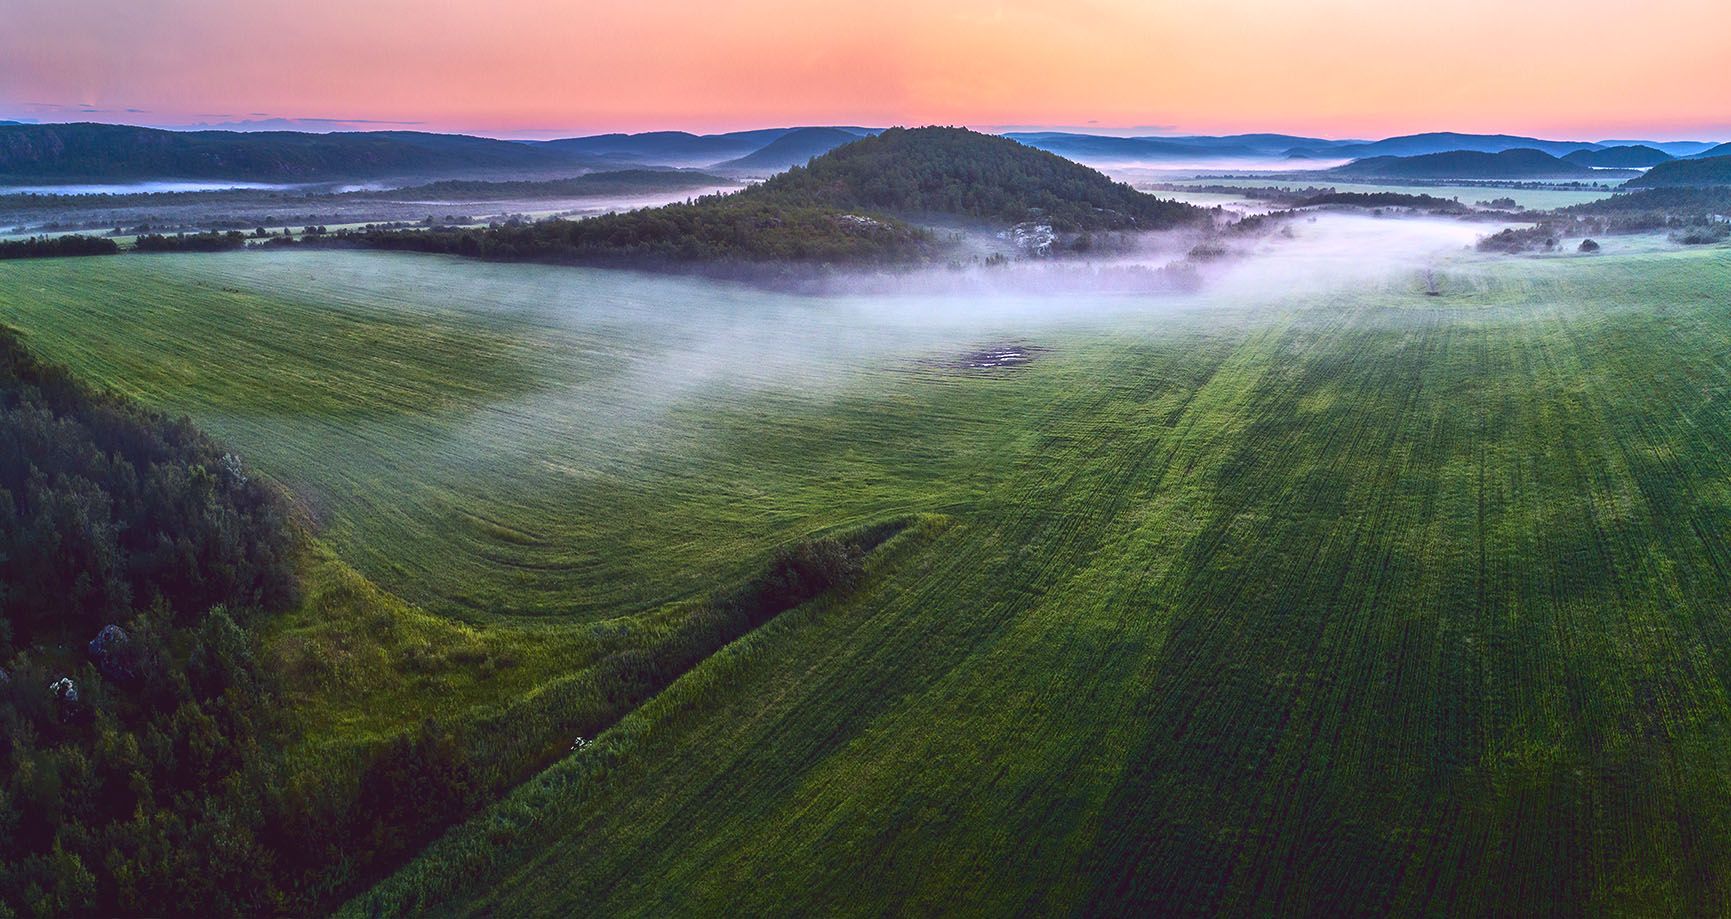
[(954, 171), (133, 711), (1714, 170), (1634, 156), (856, 204), (1468, 164), (110, 153)]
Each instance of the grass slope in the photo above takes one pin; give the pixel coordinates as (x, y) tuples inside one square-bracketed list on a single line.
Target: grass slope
[(1352, 601), (1369, 606)]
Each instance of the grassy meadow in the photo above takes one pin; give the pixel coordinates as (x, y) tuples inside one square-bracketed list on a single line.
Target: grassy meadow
[(1335, 596)]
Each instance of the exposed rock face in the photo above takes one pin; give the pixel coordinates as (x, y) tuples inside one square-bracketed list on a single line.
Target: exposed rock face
[(112, 651), (64, 689)]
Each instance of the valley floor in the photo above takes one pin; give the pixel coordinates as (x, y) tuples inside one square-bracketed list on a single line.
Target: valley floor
[(1339, 599)]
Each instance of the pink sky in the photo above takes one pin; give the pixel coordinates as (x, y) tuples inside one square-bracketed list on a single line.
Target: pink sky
[(1580, 69)]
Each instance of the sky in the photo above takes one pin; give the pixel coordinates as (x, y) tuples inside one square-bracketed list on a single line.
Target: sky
[(1582, 69)]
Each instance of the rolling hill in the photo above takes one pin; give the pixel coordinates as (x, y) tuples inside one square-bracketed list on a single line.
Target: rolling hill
[(681, 148), (1711, 152), (961, 173), (1467, 164), (1637, 156), (669, 146), (1677, 148), (1690, 172), (1448, 142), (795, 148), (1106, 148), (104, 152), (859, 203)]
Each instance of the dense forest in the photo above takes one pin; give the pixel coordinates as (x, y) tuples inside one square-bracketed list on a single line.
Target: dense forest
[(57, 246), (133, 554), (1713, 170)]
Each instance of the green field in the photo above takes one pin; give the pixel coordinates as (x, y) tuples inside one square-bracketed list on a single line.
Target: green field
[(1331, 598)]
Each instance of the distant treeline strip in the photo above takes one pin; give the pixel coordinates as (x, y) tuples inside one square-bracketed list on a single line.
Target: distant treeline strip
[(57, 246), (76, 244)]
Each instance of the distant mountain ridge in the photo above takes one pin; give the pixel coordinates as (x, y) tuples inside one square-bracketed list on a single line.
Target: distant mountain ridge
[(854, 204), (1449, 142), (1468, 164), (682, 147), (795, 148), (86, 151), (1636, 156)]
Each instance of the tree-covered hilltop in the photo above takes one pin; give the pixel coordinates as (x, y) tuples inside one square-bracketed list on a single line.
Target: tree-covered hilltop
[(853, 205), (962, 173), (1631, 156), (1713, 170)]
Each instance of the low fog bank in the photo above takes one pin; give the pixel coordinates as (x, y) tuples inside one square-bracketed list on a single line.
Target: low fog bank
[(1248, 256), (630, 365)]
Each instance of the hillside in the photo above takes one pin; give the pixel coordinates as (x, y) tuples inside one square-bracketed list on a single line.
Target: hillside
[(135, 719), (1448, 141), (859, 203), (682, 148), (1677, 148), (795, 148), (1690, 172), (1666, 201), (1467, 164), (1636, 156), (102, 152), (1109, 149), (961, 173), (668, 146), (1195, 557), (1711, 152)]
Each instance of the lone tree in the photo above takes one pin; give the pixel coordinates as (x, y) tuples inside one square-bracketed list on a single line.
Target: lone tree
[(1588, 245)]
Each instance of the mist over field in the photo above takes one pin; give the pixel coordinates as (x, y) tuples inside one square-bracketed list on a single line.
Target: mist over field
[(987, 458)]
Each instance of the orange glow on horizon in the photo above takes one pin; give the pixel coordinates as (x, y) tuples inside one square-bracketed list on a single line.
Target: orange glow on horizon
[(1584, 69)]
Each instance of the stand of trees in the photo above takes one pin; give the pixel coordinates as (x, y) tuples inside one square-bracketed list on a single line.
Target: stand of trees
[(133, 554), (56, 246), (191, 242)]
